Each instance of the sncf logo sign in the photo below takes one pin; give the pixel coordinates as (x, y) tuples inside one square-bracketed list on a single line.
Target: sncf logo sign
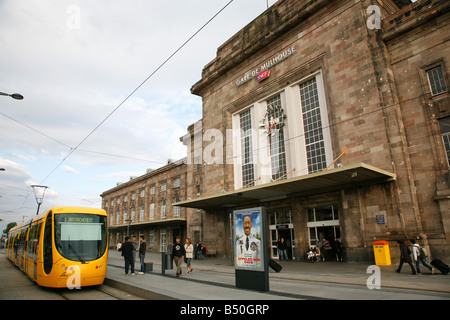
[(263, 75)]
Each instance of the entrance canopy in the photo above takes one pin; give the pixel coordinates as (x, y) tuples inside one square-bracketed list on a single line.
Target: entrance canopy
[(351, 176)]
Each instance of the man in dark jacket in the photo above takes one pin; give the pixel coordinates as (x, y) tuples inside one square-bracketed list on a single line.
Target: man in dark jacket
[(405, 256), (178, 254), (127, 253), (142, 249)]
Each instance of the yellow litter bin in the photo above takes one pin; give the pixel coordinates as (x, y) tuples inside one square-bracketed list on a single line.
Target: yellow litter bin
[(382, 253)]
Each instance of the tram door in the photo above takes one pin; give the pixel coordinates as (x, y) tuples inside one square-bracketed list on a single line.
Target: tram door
[(21, 249)]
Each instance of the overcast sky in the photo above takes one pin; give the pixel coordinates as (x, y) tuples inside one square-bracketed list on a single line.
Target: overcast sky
[(75, 62)]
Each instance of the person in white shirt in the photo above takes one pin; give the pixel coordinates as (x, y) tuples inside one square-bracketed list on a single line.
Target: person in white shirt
[(419, 256)]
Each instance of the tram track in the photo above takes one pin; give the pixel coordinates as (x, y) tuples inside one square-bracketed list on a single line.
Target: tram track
[(101, 292), (15, 285)]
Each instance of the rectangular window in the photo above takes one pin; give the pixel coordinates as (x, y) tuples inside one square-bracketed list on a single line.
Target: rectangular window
[(446, 139), (162, 240), (163, 209), (436, 80), (325, 213), (141, 214), (444, 125), (151, 240), (176, 209), (276, 138), (152, 211), (177, 183), (312, 123), (246, 149)]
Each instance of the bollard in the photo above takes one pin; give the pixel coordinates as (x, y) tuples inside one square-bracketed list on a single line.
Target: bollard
[(163, 263), (169, 261)]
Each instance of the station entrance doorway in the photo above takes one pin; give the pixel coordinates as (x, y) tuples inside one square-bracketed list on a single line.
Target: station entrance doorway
[(281, 226), (323, 223)]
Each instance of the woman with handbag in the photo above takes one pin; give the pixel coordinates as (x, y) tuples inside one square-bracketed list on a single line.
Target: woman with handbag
[(189, 248)]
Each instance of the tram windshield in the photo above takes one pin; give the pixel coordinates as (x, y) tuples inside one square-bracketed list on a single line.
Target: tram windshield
[(80, 237)]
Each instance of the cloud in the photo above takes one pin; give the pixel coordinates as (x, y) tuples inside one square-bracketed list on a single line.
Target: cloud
[(69, 169), (73, 76), (15, 174)]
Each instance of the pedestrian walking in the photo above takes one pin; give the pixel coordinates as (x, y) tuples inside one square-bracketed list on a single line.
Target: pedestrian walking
[(135, 246), (319, 246), (178, 254), (142, 249), (419, 256), (189, 249), (337, 248), (199, 250), (278, 247), (282, 248), (127, 253), (326, 249), (405, 256)]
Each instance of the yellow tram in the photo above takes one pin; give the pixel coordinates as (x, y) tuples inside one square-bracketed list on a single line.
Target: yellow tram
[(63, 247)]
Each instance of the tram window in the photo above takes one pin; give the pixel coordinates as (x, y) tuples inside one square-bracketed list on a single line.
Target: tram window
[(33, 241), (16, 242), (48, 255), (80, 237), (22, 240), (31, 236)]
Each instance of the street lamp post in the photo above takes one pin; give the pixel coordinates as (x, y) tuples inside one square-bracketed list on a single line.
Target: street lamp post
[(128, 227), (39, 192), (16, 96)]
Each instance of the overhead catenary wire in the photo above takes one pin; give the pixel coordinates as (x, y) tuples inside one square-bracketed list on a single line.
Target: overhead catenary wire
[(82, 150), (136, 89)]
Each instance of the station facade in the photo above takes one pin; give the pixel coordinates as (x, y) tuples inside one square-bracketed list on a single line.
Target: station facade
[(334, 116), (143, 206)]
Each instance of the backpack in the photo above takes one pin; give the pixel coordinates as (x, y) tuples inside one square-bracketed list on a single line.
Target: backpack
[(422, 253)]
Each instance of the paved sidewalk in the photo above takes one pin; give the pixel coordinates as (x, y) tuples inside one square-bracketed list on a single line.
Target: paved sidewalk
[(213, 278)]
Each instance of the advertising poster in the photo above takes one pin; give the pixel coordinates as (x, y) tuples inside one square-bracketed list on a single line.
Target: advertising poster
[(249, 242)]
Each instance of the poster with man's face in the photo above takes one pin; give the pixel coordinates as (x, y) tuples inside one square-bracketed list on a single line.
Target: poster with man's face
[(248, 251)]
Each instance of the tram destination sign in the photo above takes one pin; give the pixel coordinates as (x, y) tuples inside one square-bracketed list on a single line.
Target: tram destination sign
[(78, 219)]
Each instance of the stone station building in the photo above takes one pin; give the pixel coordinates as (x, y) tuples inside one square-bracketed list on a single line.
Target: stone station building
[(334, 116)]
